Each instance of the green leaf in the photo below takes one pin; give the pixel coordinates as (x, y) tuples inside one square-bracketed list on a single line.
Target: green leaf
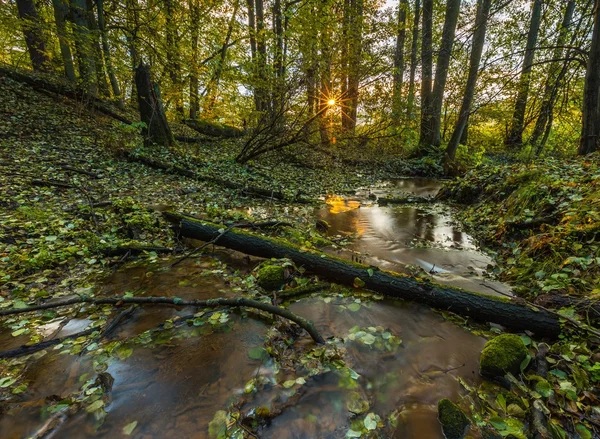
[(353, 433), (19, 332), (7, 381), (354, 307), (257, 353), (96, 405), (583, 432), (543, 388), (124, 352), (358, 282), (370, 272), (368, 339), (525, 362), (526, 340), (288, 384), (370, 421), (501, 401), (128, 429)]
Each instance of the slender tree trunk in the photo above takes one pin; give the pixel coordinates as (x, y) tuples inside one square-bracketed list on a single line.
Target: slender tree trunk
[(441, 70), (152, 113), (344, 62), (413, 60), (173, 55), (213, 85), (278, 65), (325, 77), (34, 36), (483, 11), (556, 74), (399, 63), (194, 81), (261, 51), (107, 57), (426, 74), (514, 139), (354, 53), (253, 49), (61, 9), (84, 46), (103, 86), (590, 132)]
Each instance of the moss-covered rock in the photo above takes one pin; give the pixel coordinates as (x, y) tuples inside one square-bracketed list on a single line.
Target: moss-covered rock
[(501, 355), (271, 277), (453, 420)]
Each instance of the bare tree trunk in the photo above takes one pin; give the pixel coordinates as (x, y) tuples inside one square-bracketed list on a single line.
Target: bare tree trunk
[(84, 45), (152, 113), (213, 85), (590, 132), (61, 9), (354, 53), (278, 65), (261, 51), (413, 60), (483, 11), (399, 63), (132, 26), (556, 74), (103, 86), (441, 70), (173, 56), (34, 37), (107, 57), (194, 81), (325, 80), (514, 139), (426, 74), (344, 55)]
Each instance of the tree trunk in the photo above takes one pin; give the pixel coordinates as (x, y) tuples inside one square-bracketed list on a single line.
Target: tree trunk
[(399, 63), (262, 59), (34, 36), (590, 132), (344, 62), (213, 85), (426, 75), (354, 58), (84, 46), (324, 87), (413, 60), (441, 70), (194, 81), (152, 113), (278, 66), (61, 10), (107, 57), (556, 74), (483, 11), (480, 307), (514, 139), (101, 69), (173, 56)]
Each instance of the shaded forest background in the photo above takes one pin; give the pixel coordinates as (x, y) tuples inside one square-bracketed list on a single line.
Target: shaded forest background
[(447, 80)]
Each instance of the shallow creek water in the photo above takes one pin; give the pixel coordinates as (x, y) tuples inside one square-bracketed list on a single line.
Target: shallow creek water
[(174, 386)]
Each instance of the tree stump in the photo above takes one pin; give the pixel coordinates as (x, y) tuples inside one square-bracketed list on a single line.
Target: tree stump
[(152, 112)]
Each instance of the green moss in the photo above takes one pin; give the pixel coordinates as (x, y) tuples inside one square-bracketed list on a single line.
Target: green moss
[(453, 420), (503, 354), (271, 277)]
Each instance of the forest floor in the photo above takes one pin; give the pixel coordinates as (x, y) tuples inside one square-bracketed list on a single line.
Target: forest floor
[(72, 204)]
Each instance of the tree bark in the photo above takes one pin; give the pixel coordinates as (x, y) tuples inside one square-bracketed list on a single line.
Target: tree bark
[(483, 11), (426, 74), (213, 85), (34, 37), (84, 46), (398, 76), (413, 60), (194, 6), (480, 307), (354, 58), (590, 132), (61, 10), (441, 71), (152, 113), (173, 56), (107, 56), (514, 139)]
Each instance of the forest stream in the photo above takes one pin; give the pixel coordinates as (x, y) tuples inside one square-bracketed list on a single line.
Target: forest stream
[(403, 357)]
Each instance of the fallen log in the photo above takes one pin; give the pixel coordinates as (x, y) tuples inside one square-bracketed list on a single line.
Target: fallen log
[(214, 129), (178, 170), (480, 307), (413, 199)]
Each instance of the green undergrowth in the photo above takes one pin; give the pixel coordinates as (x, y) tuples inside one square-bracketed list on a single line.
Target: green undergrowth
[(543, 219)]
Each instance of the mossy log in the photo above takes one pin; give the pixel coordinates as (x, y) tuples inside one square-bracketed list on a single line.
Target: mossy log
[(214, 129), (480, 307)]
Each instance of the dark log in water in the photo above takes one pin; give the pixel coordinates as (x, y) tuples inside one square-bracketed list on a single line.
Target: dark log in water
[(480, 307)]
